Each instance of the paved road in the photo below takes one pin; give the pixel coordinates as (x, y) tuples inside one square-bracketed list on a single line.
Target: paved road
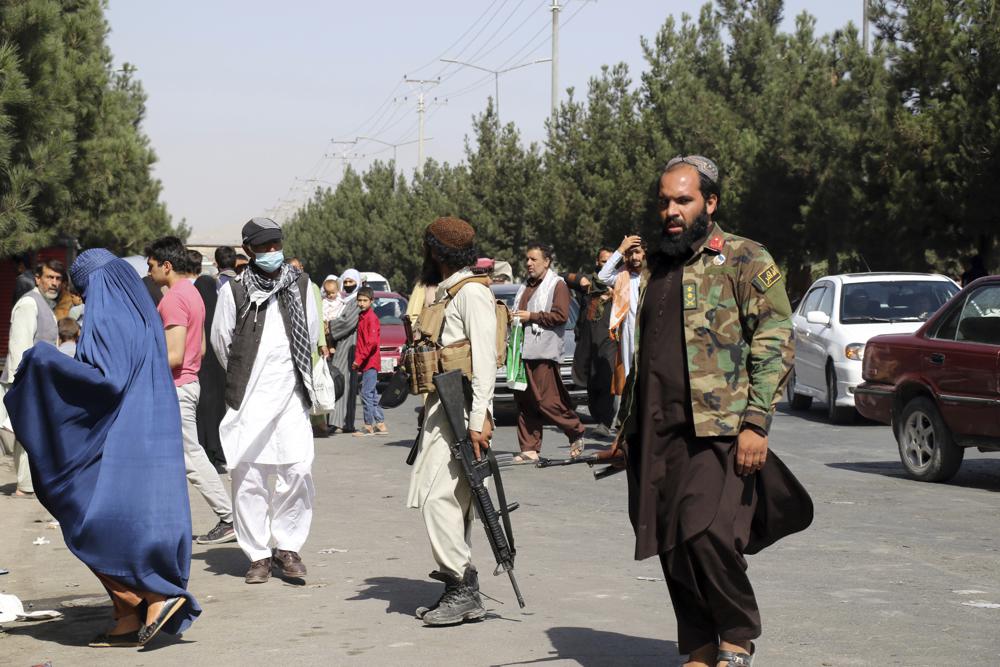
[(893, 572)]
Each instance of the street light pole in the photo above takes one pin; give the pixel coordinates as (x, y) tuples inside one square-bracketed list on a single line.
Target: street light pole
[(496, 77), (555, 58), (393, 146)]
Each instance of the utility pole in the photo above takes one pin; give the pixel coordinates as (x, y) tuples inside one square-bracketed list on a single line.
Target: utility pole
[(864, 24), (421, 112), (496, 78), (555, 9)]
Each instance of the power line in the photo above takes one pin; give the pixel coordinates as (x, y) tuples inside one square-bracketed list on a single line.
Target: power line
[(455, 43)]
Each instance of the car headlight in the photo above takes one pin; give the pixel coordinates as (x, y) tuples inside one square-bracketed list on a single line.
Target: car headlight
[(855, 351)]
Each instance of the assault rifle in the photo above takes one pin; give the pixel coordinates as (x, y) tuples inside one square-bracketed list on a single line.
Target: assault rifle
[(612, 456), (451, 392)]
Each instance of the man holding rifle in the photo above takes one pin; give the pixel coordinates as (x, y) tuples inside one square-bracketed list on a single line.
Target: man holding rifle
[(438, 485)]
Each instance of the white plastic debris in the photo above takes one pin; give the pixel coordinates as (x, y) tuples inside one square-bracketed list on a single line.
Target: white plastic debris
[(333, 550), (648, 579), (981, 604), (12, 609), (40, 540)]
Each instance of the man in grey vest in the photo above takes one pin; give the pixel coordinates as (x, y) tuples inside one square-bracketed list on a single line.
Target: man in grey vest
[(543, 308), (32, 321), (263, 333)]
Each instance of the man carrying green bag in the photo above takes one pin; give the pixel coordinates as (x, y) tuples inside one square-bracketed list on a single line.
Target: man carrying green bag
[(517, 376)]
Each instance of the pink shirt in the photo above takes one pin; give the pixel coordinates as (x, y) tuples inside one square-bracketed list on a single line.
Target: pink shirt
[(182, 306)]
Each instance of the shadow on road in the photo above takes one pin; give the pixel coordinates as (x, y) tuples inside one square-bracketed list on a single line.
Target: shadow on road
[(397, 443), (403, 595), (981, 474), (599, 648), (817, 415), (223, 560)]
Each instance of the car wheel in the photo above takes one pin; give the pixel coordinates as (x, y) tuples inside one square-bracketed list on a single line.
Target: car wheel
[(837, 414), (796, 401), (926, 448)]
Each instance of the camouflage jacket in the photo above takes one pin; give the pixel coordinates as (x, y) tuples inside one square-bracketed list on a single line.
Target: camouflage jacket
[(738, 330)]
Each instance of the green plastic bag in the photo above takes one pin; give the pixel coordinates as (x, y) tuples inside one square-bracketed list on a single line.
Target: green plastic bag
[(517, 374)]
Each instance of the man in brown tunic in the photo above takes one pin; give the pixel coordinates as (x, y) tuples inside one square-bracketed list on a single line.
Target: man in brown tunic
[(543, 307), (713, 347)]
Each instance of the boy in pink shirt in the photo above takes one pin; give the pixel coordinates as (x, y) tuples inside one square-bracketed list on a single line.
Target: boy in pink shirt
[(183, 313)]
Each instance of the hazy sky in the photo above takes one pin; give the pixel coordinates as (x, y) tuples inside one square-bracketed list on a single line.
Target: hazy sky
[(245, 97)]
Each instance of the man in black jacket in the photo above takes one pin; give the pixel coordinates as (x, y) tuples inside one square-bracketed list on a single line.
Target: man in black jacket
[(594, 359)]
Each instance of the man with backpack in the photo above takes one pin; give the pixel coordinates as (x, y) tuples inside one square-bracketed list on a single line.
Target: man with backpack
[(463, 321), (263, 333)]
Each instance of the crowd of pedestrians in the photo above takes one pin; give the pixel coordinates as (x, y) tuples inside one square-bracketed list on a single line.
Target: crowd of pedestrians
[(111, 397)]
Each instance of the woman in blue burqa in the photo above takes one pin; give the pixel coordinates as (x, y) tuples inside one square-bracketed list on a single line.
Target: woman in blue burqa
[(103, 434)]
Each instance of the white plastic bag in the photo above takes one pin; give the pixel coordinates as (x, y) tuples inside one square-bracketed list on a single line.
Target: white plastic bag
[(323, 389)]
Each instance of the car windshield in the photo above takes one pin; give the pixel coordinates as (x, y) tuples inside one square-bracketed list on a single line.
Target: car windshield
[(390, 309), (377, 285), (893, 301)]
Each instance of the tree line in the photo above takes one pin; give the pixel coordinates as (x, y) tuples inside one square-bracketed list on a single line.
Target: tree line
[(836, 159), (75, 165)]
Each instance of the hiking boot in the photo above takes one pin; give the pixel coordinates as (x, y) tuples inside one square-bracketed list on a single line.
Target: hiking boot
[(448, 585), (460, 602), (222, 533), (259, 572), (290, 563)]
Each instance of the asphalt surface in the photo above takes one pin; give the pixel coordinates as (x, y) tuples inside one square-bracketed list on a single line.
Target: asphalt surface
[(892, 572)]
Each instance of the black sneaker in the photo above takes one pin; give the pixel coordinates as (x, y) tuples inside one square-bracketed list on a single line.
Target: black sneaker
[(222, 533)]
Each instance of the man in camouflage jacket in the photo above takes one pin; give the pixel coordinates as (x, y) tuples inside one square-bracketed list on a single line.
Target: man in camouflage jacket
[(713, 350)]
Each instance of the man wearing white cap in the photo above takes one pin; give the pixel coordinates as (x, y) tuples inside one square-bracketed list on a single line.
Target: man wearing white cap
[(266, 322)]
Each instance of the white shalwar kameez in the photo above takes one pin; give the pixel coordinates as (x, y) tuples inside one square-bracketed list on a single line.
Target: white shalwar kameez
[(438, 487), (269, 435)]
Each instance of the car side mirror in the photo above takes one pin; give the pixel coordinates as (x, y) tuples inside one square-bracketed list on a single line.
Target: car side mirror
[(818, 317)]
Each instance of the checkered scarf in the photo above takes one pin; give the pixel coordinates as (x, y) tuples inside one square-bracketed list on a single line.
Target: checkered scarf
[(260, 288)]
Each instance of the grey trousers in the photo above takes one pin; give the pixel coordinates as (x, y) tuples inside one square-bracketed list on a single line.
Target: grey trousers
[(200, 471)]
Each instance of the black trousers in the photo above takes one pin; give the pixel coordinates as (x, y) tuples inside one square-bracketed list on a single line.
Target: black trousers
[(707, 576), (353, 383), (600, 400)]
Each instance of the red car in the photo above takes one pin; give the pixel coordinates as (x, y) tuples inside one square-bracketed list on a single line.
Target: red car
[(391, 309), (939, 387)]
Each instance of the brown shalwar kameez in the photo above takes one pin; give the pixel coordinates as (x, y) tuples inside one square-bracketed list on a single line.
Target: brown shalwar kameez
[(686, 502), (546, 399)]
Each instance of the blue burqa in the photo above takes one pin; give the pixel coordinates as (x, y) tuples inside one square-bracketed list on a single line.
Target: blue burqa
[(103, 433)]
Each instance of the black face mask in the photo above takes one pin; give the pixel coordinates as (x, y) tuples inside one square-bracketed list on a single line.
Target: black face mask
[(349, 288)]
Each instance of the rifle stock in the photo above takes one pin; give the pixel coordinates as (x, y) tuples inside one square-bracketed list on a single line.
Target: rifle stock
[(451, 392)]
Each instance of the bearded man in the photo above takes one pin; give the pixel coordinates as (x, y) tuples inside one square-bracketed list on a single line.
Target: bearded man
[(622, 273), (438, 487), (32, 321), (713, 349), (542, 304)]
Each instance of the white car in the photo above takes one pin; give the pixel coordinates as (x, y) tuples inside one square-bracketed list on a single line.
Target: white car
[(836, 318), (376, 281)]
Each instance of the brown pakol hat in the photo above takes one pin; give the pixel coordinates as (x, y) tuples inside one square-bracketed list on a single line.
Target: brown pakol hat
[(452, 233)]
